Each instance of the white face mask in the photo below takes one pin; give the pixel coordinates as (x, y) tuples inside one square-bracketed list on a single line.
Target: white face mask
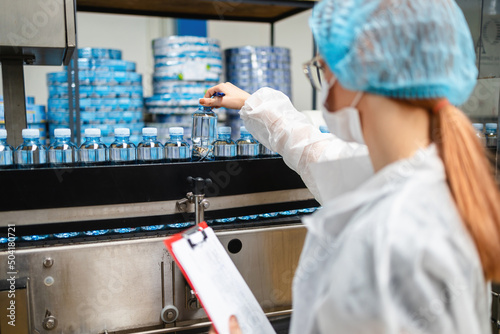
[(345, 122)]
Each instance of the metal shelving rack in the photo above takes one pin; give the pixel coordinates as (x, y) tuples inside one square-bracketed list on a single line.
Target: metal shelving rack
[(236, 10)]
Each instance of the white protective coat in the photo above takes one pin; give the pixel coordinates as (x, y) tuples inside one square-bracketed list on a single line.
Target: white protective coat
[(388, 252)]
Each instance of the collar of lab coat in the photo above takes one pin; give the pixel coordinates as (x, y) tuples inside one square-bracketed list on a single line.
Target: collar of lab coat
[(360, 187)]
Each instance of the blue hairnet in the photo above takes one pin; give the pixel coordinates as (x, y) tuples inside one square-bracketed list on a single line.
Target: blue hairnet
[(397, 48)]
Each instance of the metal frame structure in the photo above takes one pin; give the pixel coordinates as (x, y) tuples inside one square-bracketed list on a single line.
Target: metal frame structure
[(44, 36)]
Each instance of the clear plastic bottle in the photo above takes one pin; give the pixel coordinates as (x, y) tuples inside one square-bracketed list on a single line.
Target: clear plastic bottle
[(96, 232), (152, 227), (31, 153), (124, 230), (247, 147), (479, 127), (150, 150), (225, 220), (176, 149), (6, 151), (288, 212), (491, 135), (265, 152), (93, 151), (203, 135), (246, 218), (62, 152), (224, 147), (122, 150)]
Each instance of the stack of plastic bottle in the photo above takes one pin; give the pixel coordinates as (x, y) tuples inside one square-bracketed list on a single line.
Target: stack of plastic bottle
[(36, 116), (110, 94), (185, 67), (254, 67)]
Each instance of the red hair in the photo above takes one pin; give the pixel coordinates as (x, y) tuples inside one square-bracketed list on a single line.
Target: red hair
[(470, 178)]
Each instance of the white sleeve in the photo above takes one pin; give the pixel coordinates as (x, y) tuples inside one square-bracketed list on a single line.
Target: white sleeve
[(274, 122)]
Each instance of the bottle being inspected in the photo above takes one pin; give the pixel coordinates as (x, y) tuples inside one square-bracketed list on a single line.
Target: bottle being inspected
[(122, 150)]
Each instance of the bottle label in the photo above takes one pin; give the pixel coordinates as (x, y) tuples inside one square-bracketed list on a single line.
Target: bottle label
[(226, 151), (248, 150), (150, 153), (177, 152)]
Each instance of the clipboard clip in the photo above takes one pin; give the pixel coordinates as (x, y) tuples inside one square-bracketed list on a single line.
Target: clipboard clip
[(195, 236)]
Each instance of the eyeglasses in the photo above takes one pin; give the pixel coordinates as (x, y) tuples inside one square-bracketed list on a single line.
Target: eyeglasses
[(314, 71)]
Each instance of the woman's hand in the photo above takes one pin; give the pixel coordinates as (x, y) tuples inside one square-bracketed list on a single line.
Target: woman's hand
[(234, 99), (234, 327)]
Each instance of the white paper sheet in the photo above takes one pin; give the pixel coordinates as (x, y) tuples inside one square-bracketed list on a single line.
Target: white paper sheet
[(219, 285)]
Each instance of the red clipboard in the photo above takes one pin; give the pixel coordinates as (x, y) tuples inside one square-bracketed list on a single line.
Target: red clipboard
[(216, 281), (176, 237)]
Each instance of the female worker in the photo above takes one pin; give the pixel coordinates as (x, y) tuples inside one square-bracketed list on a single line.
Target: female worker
[(408, 244)]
